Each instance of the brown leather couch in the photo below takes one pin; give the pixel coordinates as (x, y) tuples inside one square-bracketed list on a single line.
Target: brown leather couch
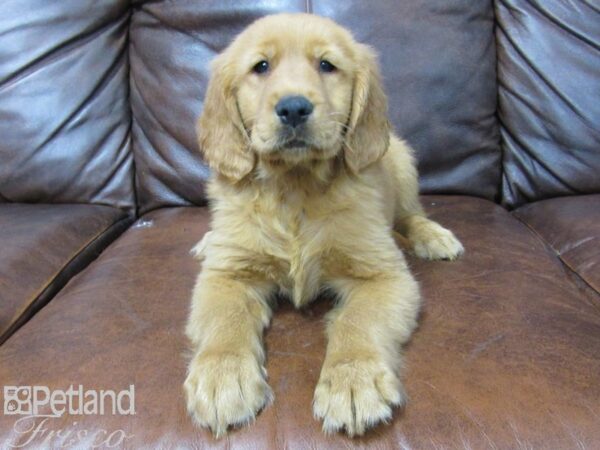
[(101, 199)]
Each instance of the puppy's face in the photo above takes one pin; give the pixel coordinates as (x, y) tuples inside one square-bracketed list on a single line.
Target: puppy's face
[(293, 89), (295, 95)]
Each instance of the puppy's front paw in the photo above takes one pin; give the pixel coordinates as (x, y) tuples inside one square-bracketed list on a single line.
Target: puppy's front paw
[(356, 395), (224, 389), (432, 241)]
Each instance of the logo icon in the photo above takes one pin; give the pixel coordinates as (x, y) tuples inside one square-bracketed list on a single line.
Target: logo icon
[(17, 400)]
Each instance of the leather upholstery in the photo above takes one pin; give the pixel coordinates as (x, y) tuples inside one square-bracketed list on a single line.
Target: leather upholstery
[(507, 352), (444, 106), (506, 355), (571, 227), (42, 247), (64, 113), (548, 64)]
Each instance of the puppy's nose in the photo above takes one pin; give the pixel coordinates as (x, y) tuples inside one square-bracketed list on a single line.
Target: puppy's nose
[(294, 110)]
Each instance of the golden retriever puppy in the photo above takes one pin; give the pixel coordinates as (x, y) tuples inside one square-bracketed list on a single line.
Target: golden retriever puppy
[(308, 182)]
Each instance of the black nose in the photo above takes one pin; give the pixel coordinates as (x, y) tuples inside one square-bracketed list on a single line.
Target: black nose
[(293, 110)]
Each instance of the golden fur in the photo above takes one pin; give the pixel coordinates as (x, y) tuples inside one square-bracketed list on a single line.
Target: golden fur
[(299, 220)]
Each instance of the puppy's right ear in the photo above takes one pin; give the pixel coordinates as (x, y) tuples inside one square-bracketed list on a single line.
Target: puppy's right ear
[(221, 134), (368, 134)]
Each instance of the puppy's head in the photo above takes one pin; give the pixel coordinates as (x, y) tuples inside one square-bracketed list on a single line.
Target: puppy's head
[(293, 89)]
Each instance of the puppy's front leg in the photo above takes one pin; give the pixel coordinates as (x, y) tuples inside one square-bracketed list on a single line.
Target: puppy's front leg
[(427, 238), (226, 378), (359, 382)]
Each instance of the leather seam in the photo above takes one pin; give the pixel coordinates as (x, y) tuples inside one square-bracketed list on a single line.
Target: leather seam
[(37, 300), (308, 6), (500, 193), (556, 253)]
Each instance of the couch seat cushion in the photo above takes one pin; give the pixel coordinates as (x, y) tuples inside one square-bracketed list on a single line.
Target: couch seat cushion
[(571, 226), (506, 355), (41, 247)]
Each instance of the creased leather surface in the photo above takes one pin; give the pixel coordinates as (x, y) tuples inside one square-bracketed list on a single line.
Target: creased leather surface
[(548, 65), (506, 356), (64, 110), (41, 247), (571, 226), (438, 61)]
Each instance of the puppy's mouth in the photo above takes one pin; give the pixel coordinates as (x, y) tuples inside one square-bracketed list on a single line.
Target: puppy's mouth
[(295, 143), (290, 138)]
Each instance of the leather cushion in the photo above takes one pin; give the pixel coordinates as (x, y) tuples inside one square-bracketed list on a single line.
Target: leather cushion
[(548, 64), (505, 356), (571, 226), (438, 62), (42, 247), (64, 109)]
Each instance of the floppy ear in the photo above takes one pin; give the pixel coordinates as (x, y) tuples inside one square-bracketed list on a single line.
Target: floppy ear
[(368, 134), (221, 135)]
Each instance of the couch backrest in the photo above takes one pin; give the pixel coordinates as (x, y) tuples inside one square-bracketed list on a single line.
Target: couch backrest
[(438, 62), (73, 88), (549, 98), (64, 110)]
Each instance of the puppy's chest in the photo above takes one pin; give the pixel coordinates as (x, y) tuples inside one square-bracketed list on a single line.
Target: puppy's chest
[(293, 231)]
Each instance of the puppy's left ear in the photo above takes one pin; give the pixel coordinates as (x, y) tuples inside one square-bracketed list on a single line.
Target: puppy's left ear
[(368, 134)]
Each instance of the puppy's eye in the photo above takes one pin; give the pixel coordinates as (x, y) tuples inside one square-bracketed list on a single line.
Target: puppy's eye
[(261, 67), (326, 67)]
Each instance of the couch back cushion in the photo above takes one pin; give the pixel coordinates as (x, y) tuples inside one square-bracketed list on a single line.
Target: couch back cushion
[(438, 63), (549, 98), (64, 111)]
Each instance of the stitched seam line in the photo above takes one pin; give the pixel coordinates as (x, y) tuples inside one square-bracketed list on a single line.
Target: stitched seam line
[(556, 253), (21, 317)]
